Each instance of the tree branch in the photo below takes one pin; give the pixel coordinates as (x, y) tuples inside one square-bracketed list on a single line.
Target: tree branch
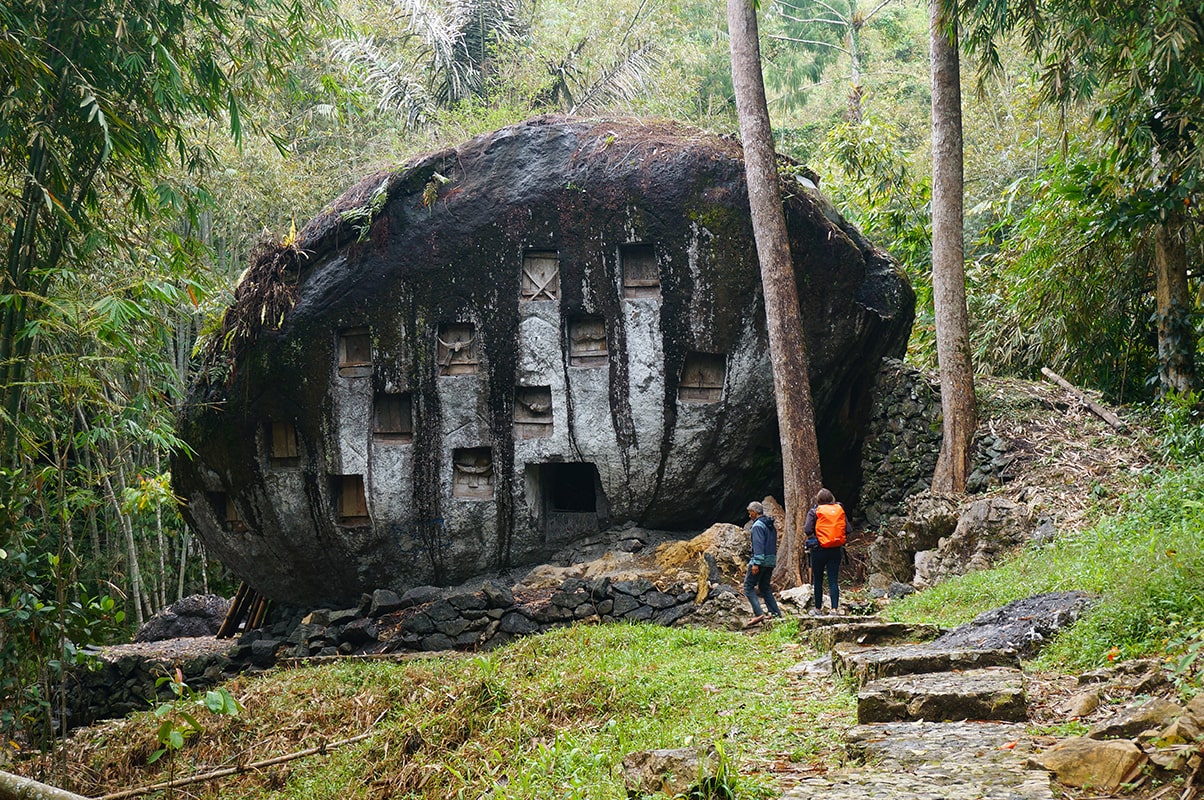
[(228, 771)]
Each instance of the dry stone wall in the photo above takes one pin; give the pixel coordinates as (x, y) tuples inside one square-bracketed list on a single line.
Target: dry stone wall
[(424, 619), (902, 440)]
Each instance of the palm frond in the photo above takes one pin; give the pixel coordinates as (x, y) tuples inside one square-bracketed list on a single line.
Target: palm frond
[(621, 81)]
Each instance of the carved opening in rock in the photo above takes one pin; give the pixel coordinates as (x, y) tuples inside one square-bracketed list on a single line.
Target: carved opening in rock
[(587, 342), (355, 353), (641, 278), (702, 378), (393, 417), (457, 351), (229, 517), (532, 412), (350, 504), (570, 498), (472, 473), (282, 444), (541, 275)]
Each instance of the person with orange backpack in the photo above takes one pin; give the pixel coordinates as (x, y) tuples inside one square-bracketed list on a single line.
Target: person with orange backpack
[(826, 529)]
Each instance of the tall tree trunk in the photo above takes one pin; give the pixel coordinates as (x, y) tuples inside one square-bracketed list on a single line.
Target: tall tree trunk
[(787, 343), (948, 260), (1176, 334), (853, 110)]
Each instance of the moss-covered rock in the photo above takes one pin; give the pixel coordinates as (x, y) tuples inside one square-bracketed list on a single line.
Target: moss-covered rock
[(507, 345)]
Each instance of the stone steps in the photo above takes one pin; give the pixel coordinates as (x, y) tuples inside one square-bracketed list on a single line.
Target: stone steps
[(993, 693), (937, 722), (808, 624), (870, 633), (862, 665), (933, 761), (929, 782)]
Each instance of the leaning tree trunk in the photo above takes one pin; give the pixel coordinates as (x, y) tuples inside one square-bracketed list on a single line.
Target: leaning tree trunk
[(1176, 334), (787, 344), (948, 264), (16, 787)]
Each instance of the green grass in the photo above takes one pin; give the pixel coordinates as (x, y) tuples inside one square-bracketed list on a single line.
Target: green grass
[(1145, 561), (547, 716)]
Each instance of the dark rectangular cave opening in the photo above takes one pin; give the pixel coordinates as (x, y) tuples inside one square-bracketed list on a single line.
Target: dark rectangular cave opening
[(571, 502)]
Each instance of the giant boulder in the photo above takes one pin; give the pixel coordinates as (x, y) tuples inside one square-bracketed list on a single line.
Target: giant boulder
[(501, 347)]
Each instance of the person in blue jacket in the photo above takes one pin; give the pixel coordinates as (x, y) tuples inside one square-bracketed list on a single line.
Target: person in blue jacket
[(760, 566)]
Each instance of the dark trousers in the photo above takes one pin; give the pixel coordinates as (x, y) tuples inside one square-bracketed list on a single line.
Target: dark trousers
[(826, 560), (760, 583)]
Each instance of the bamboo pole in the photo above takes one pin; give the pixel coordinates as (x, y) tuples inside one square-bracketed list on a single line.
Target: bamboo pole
[(260, 613), (237, 606)]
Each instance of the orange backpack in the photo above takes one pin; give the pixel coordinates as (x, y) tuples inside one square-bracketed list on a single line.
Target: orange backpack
[(830, 525)]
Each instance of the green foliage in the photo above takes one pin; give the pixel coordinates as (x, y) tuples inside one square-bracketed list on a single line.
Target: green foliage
[(1180, 421), (1186, 649), (1067, 288), (1144, 562), (1062, 730), (1141, 67), (99, 97), (810, 40), (870, 176), (42, 634), (426, 54), (179, 722)]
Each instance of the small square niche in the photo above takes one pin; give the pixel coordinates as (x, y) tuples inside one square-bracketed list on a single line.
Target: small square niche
[(533, 412), (457, 349), (472, 473), (393, 417), (641, 277), (702, 378), (587, 342), (227, 512), (350, 502), (541, 275), (355, 353), (282, 443)]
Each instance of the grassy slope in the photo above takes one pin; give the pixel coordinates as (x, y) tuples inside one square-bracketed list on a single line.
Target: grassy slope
[(548, 716), (1145, 561)]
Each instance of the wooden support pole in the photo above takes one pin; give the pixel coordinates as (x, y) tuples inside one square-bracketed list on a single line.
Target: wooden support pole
[(259, 612), (237, 608)]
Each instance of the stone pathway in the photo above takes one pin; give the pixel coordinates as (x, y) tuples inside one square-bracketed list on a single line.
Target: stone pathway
[(937, 723)]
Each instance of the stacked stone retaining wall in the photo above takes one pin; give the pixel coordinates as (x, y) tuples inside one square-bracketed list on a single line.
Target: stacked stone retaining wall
[(128, 678), (903, 440)]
